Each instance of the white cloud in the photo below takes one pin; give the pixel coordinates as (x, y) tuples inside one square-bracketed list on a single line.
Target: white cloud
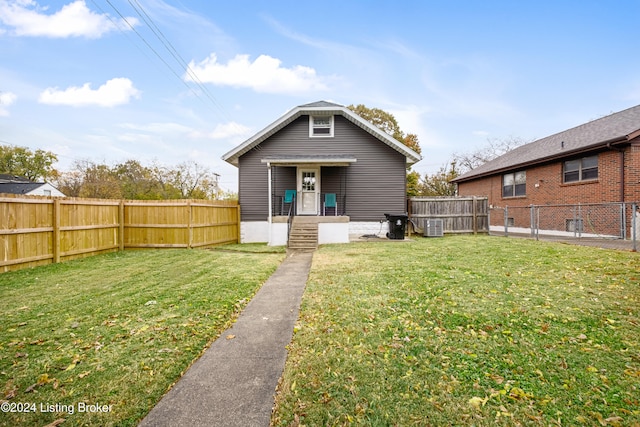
[(114, 92), (228, 130), (265, 74), (6, 99), (221, 131), (27, 18)]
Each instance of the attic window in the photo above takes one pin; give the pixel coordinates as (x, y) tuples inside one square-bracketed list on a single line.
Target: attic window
[(321, 126)]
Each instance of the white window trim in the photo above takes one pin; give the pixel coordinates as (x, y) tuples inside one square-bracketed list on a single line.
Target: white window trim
[(311, 127)]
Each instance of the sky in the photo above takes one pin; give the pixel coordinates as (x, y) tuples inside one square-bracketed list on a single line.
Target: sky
[(176, 80)]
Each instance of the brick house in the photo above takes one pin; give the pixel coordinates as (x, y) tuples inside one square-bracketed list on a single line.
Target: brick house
[(596, 162)]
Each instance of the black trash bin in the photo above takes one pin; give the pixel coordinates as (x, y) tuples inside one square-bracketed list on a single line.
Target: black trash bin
[(397, 225)]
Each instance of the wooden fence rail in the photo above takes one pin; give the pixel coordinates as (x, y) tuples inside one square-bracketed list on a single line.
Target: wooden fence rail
[(42, 230), (458, 214)]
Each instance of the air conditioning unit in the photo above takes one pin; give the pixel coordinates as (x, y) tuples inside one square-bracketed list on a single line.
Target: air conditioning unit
[(433, 228)]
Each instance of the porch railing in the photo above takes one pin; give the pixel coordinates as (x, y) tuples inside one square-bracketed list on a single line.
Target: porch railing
[(290, 215), (280, 208)]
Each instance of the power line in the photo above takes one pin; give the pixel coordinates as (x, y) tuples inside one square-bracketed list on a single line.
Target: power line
[(173, 52), (151, 48), (179, 59)]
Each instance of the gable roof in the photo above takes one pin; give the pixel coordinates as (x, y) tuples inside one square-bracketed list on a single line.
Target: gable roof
[(616, 128), (320, 107)]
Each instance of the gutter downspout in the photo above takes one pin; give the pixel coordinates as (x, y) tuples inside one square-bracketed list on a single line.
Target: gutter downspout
[(270, 218)]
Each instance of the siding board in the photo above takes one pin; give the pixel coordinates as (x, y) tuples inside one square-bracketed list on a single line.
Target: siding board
[(375, 184)]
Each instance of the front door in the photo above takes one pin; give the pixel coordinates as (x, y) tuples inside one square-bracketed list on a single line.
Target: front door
[(308, 191)]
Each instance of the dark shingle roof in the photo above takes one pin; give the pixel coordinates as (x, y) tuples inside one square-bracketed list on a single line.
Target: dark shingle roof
[(19, 187), (5, 177), (320, 104), (614, 128)]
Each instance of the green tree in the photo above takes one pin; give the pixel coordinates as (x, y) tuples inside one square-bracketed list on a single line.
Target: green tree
[(414, 188), (100, 182), (34, 165), (138, 182), (388, 123), (194, 181), (439, 183)]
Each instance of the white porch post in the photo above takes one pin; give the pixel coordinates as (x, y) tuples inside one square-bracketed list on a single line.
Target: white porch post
[(270, 219)]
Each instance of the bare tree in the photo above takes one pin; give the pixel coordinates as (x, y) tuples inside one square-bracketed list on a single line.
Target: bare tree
[(494, 148)]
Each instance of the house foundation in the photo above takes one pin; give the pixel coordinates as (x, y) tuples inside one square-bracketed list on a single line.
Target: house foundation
[(331, 229)]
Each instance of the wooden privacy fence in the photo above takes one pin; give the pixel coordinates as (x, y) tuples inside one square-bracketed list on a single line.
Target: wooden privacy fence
[(42, 230), (458, 214)]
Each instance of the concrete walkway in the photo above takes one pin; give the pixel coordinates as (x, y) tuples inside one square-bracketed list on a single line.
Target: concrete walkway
[(234, 382)]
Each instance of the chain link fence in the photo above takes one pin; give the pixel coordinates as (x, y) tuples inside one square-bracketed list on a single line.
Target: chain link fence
[(598, 221)]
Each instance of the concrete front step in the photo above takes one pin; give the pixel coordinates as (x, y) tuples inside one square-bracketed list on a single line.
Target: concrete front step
[(303, 235)]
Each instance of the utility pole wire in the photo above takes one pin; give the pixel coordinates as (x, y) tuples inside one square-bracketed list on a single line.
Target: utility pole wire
[(151, 48), (172, 50)]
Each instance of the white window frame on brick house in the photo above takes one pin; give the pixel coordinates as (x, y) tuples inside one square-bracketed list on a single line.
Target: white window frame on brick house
[(320, 126)]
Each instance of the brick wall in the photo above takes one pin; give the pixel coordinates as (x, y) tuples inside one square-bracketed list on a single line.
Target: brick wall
[(544, 183)]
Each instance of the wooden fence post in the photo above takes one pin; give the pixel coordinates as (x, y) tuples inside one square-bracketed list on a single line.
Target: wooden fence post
[(475, 214), (56, 231), (238, 224), (189, 225), (121, 226), (409, 214)]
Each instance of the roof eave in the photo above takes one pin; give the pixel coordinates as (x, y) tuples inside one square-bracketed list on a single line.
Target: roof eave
[(598, 146), (233, 155)]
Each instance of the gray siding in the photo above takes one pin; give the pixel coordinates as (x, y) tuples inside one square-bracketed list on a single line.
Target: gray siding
[(284, 178), (375, 184)]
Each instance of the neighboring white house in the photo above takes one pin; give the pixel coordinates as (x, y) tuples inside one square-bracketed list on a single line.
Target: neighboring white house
[(13, 184)]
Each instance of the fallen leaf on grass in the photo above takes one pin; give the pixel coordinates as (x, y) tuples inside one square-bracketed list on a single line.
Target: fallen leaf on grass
[(10, 394), (632, 372), (84, 374), (73, 364), (477, 402), (44, 379), (517, 393), (56, 422)]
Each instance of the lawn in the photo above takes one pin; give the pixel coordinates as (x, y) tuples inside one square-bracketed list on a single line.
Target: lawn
[(466, 330), (115, 331)]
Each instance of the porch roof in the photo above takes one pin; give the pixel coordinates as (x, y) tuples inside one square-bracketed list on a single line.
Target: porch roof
[(307, 159)]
